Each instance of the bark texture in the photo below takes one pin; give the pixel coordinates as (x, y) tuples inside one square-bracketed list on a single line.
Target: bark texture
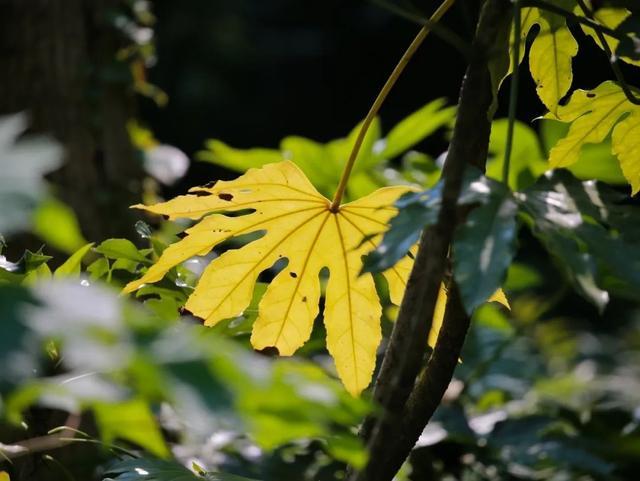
[(57, 59), (408, 404)]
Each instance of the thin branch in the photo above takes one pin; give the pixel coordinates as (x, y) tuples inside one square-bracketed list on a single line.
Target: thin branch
[(389, 437), (613, 59), (375, 108), (43, 443), (513, 93)]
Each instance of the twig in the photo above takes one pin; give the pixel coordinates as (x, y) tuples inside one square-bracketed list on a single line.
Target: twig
[(43, 443)]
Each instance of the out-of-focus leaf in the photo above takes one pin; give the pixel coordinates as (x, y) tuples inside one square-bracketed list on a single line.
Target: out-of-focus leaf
[(121, 249), (18, 355), (521, 277), (159, 470), (416, 127), (527, 162), (237, 159), (484, 246), (130, 421), (576, 232), (72, 265), (322, 163), (98, 268), (349, 449), (30, 267), (23, 164), (56, 224)]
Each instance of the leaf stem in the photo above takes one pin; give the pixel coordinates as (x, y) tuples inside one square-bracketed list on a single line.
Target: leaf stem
[(384, 92), (513, 91)]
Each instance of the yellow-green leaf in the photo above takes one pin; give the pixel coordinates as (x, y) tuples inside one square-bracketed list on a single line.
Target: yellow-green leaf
[(550, 55), (594, 114), (131, 421), (612, 18)]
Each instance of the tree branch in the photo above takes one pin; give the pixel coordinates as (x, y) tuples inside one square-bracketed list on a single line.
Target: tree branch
[(390, 438), (42, 443)]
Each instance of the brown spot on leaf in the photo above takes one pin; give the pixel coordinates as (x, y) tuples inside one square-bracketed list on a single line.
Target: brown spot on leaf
[(181, 235), (201, 193), (293, 274), (225, 196), (304, 299), (269, 351), (591, 95)]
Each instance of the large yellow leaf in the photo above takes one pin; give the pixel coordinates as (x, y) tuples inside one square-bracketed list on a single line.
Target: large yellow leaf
[(299, 227), (594, 114)]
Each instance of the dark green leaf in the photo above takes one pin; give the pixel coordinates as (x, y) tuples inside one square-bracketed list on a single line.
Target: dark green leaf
[(484, 247), (158, 470)]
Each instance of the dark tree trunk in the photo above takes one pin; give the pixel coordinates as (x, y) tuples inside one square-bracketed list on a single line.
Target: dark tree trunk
[(57, 61)]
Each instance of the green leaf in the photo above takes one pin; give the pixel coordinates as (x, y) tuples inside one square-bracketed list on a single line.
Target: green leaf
[(239, 160), (56, 224), (416, 210), (130, 421), (18, 356), (121, 249), (527, 162), (23, 164), (99, 268), (72, 265), (159, 470), (484, 246), (416, 127), (576, 228)]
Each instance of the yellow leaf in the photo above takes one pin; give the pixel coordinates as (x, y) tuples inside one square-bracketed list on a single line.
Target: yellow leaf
[(298, 227), (594, 114), (4, 476)]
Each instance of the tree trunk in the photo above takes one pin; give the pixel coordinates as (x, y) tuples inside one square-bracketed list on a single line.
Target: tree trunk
[(58, 63)]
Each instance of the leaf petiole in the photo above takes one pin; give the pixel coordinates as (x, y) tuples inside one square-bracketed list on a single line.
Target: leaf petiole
[(384, 92)]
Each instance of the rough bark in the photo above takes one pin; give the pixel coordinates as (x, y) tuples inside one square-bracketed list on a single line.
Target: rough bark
[(55, 59), (391, 436)]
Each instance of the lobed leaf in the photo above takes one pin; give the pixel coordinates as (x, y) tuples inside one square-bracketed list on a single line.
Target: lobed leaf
[(298, 227), (593, 115)]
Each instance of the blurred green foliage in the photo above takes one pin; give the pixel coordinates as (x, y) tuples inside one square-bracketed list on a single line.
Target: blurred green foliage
[(549, 390)]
